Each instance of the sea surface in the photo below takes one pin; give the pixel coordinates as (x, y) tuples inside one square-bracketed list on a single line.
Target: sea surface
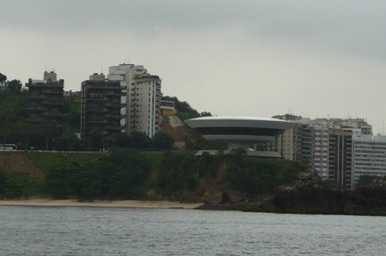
[(128, 231)]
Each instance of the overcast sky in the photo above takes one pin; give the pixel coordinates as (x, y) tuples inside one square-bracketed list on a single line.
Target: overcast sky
[(324, 58)]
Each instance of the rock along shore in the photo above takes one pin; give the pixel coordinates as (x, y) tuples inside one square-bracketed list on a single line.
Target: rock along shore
[(100, 203)]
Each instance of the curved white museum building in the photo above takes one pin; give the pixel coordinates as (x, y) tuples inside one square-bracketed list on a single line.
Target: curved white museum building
[(238, 131)]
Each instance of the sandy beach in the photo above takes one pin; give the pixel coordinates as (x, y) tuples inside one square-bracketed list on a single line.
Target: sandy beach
[(97, 203)]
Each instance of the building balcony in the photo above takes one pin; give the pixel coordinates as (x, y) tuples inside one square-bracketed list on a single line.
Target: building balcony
[(113, 128), (52, 103), (35, 109), (94, 110), (52, 115), (94, 122), (93, 99), (31, 97), (35, 119), (52, 93), (112, 116)]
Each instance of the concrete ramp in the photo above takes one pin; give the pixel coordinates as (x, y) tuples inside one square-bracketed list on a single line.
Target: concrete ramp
[(175, 121)]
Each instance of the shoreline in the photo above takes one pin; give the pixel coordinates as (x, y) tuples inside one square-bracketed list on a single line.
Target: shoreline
[(101, 203)]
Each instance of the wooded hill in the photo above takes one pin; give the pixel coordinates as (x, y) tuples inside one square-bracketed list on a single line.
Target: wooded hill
[(124, 174)]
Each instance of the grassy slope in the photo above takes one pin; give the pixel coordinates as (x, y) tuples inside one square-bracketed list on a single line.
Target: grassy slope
[(37, 164), (47, 161)]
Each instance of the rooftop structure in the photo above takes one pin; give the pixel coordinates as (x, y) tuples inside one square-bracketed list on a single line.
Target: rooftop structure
[(168, 108)]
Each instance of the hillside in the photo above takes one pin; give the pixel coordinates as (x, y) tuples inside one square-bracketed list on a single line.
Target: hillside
[(22, 164), (224, 182), (177, 130), (153, 175)]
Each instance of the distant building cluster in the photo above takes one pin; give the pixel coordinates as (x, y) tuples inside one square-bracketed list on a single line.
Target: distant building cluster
[(340, 150), (127, 100)]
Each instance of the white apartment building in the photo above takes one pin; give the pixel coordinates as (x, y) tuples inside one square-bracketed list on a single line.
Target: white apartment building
[(320, 155), (142, 98), (368, 157)]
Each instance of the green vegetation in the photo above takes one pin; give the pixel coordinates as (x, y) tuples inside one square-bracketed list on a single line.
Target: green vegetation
[(176, 173), (12, 114), (128, 174), (49, 161), (184, 110), (117, 175), (71, 110), (15, 185), (262, 176), (139, 140)]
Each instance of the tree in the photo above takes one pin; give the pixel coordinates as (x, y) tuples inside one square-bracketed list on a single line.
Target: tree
[(130, 170), (95, 140), (365, 180), (120, 174), (71, 111), (141, 140), (15, 87), (163, 140), (12, 113), (3, 78), (205, 113), (184, 110), (56, 183), (176, 173), (123, 140), (69, 141), (50, 132)]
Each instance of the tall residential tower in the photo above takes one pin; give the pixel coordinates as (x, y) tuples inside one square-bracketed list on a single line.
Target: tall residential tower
[(100, 109), (142, 98), (45, 102)]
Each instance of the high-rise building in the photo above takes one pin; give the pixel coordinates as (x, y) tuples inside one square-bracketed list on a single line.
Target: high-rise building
[(319, 159), (291, 143), (45, 102), (340, 157), (142, 98), (101, 109), (368, 156)]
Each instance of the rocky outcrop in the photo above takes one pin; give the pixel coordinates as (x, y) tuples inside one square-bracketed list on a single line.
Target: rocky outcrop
[(221, 194), (307, 197)]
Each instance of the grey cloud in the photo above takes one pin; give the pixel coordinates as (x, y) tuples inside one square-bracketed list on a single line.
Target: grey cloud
[(275, 17), (352, 26)]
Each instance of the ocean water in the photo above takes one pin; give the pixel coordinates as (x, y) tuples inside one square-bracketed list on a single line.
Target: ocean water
[(128, 231)]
